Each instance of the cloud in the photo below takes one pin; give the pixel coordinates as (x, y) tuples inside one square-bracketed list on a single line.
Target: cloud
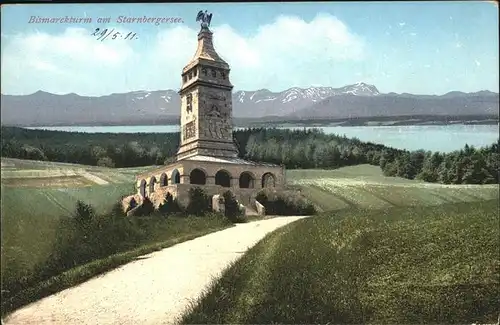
[(75, 45), (44, 66), (287, 51), (41, 57)]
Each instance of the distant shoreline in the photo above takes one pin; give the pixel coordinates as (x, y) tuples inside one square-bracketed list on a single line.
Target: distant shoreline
[(275, 121)]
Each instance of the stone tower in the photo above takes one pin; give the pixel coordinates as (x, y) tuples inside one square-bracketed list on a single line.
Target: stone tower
[(206, 104), (207, 155)]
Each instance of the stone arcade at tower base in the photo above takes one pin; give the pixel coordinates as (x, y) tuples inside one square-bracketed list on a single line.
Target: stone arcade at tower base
[(214, 175)]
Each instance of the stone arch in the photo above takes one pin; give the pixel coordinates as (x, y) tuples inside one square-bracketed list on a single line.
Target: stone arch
[(152, 183), (247, 180), (132, 203), (142, 188), (175, 178), (268, 180), (198, 176), (223, 178), (163, 179)]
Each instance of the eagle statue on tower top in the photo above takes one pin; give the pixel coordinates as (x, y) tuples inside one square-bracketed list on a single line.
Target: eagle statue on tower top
[(204, 17)]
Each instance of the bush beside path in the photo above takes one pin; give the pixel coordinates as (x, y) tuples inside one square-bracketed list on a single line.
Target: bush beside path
[(156, 288)]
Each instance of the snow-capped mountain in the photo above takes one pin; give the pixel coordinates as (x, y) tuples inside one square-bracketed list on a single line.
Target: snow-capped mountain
[(266, 103), (42, 108)]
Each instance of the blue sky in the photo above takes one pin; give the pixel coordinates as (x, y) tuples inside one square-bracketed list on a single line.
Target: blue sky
[(415, 47)]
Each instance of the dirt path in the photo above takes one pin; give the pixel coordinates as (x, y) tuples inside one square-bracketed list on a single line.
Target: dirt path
[(155, 289), (94, 178)]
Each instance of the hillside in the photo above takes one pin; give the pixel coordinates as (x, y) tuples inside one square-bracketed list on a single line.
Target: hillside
[(162, 106), (364, 186), (57, 186), (44, 250), (35, 194), (418, 265)]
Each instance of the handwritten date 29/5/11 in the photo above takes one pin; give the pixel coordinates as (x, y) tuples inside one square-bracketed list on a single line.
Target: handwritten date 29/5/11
[(105, 33)]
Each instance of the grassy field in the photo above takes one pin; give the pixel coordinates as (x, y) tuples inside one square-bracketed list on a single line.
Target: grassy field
[(52, 189), (364, 186), (356, 266), (57, 186), (32, 202), (34, 269), (36, 199), (46, 172), (35, 195)]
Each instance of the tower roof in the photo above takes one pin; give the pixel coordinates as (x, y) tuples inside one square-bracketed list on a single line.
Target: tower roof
[(206, 51)]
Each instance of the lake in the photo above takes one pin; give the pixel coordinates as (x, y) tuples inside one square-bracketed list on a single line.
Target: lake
[(444, 138)]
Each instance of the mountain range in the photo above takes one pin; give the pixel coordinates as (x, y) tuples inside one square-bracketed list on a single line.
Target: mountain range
[(359, 100)]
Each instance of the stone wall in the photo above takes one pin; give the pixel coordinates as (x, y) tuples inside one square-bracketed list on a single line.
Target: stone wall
[(218, 203), (126, 202), (261, 210), (181, 192), (153, 180), (209, 111), (214, 114)]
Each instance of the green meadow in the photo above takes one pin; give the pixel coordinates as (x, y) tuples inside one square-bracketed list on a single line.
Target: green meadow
[(400, 265), (43, 252), (357, 255), (383, 250), (364, 186)]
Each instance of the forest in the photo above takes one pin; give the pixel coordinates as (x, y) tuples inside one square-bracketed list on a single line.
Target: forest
[(295, 149)]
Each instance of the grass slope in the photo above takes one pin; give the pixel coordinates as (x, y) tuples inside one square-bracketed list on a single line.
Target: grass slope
[(31, 206), (31, 217), (364, 186), (23, 262), (59, 201), (397, 265), (48, 189), (31, 169), (14, 163)]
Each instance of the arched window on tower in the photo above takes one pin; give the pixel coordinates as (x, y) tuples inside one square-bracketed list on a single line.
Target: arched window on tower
[(142, 188), (223, 75), (204, 71), (195, 72), (268, 180), (185, 78), (214, 73), (223, 178), (197, 176), (175, 178), (163, 179)]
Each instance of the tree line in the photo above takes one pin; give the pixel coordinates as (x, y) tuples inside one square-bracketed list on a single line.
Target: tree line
[(295, 149), (313, 149)]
